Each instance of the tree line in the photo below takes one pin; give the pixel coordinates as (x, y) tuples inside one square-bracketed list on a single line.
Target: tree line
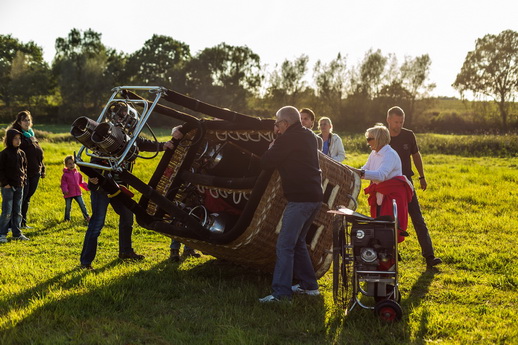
[(84, 70)]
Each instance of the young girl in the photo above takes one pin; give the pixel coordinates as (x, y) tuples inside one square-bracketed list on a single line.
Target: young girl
[(13, 173), (71, 184)]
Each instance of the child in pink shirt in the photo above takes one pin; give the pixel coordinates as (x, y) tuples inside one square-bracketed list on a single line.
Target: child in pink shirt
[(71, 184)]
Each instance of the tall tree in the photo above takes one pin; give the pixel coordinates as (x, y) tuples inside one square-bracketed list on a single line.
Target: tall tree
[(31, 81), (159, 62), (330, 82), (286, 84), (492, 70), (81, 66), (414, 77), (370, 74), (366, 82), (225, 75), (24, 75)]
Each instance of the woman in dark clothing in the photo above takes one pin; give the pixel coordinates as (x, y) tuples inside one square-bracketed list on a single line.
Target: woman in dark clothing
[(34, 154)]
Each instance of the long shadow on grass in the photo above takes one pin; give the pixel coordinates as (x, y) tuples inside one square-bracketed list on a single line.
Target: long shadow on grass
[(23, 299), (363, 327), (418, 292), (49, 226), (189, 303)]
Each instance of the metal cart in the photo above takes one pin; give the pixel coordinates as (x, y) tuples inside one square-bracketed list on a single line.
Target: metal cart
[(365, 263)]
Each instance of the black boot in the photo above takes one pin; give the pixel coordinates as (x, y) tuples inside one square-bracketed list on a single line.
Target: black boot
[(432, 261), (191, 253), (131, 256), (175, 255)]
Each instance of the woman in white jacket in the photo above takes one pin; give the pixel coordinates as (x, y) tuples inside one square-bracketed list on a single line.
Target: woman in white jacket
[(333, 145)]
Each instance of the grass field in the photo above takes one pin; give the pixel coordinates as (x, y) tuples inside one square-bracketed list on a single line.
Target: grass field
[(470, 208)]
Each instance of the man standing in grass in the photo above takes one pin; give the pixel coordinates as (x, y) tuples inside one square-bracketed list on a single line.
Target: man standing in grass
[(100, 199), (404, 142), (295, 155)]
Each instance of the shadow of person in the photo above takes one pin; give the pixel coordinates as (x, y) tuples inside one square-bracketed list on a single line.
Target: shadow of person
[(66, 280), (163, 304), (418, 292), (342, 322)]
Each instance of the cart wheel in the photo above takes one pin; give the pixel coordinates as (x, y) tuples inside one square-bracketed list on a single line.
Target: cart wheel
[(341, 286), (337, 259), (388, 310), (393, 294)]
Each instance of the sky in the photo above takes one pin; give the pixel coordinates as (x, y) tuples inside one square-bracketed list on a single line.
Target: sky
[(277, 30)]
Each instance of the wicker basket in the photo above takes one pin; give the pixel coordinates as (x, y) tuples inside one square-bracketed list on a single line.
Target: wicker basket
[(255, 247)]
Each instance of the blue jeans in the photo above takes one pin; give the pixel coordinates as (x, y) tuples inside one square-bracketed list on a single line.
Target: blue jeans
[(81, 203), (100, 202), (11, 210), (176, 245), (293, 258)]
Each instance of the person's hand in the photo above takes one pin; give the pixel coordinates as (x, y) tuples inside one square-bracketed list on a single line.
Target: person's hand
[(176, 134), (423, 183), (94, 180), (357, 171), (271, 144), (43, 175), (168, 145)]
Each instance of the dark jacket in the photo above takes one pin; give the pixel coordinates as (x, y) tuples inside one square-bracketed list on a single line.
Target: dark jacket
[(142, 144), (13, 163), (33, 152), (295, 155)]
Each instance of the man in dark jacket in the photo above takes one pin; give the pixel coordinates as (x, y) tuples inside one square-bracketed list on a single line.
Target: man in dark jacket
[(295, 155)]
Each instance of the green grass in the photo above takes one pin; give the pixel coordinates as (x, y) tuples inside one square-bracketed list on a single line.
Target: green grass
[(463, 145), (470, 207)]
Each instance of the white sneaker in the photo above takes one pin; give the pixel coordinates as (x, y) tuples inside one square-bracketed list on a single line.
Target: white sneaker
[(300, 291), (269, 299), (21, 238), (3, 239)]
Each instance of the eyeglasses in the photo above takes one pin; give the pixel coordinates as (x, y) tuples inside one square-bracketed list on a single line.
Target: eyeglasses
[(276, 124), (370, 139)]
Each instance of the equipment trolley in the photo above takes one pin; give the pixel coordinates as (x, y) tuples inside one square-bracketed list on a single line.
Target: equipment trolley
[(365, 263)]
